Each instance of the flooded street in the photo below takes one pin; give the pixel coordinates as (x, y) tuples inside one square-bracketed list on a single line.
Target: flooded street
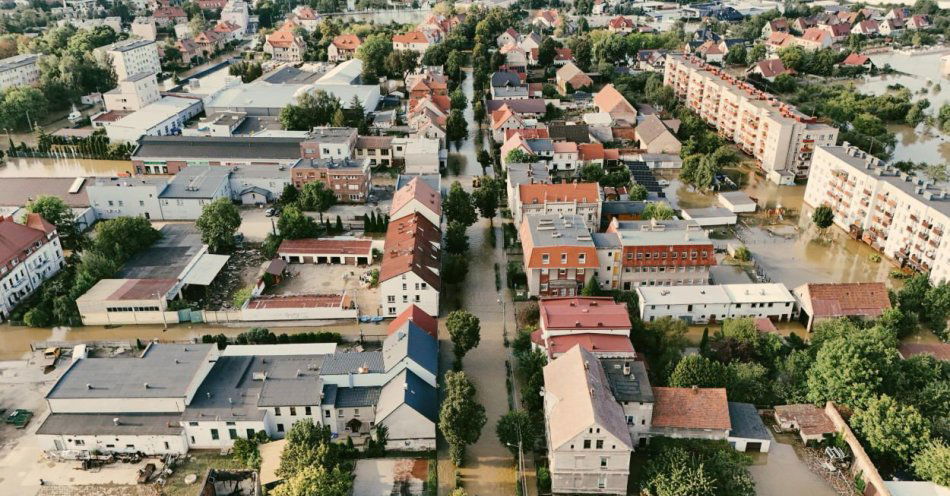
[(781, 469), (63, 167)]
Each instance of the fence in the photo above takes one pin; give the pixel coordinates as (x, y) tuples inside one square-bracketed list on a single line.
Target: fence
[(862, 463), (42, 345)]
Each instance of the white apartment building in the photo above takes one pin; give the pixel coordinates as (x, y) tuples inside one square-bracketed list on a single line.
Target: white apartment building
[(236, 12), (144, 27), (409, 272), (715, 303), (133, 93), (132, 57), (780, 137), (19, 70), (902, 216), (30, 253)]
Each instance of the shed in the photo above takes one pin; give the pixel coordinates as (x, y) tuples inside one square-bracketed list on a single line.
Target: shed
[(737, 202), (748, 432), (712, 216), (255, 195), (810, 421)]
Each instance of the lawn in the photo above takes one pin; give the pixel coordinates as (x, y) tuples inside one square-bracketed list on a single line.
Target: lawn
[(198, 463)]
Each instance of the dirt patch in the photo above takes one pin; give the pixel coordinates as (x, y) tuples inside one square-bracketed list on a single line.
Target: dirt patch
[(241, 271), (198, 463), (99, 490), (308, 278)]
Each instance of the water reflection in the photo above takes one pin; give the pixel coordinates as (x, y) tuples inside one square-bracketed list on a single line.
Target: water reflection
[(63, 167)]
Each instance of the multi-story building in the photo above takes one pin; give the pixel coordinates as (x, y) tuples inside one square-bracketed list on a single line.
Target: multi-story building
[(171, 154), (144, 27), (588, 441), (597, 324), (776, 134), (559, 254), (133, 57), (19, 70), (236, 12), (348, 179), (715, 303), (343, 47), (329, 142), (409, 272), (284, 45), (417, 197), (581, 199), (133, 93), (902, 216), (30, 253), (653, 253)]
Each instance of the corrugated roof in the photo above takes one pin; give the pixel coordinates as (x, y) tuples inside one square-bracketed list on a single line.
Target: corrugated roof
[(172, 147), (868, 299), (355, 362)]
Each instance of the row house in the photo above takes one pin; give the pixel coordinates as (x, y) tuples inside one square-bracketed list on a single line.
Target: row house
[(900, 215), (653, 253), (30, 253), (410, 270), (583, 200), (228, 31), (503, 120), (610, 101), (777, 135)]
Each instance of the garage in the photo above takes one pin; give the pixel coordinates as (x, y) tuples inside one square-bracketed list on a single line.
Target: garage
[(748, 433)]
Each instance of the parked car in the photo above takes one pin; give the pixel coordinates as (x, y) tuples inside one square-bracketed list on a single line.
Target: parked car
[(270, 212)]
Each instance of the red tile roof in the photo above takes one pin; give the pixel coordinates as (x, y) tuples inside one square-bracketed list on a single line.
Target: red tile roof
[(347, 42), (528, 133), (601, 344), (327, 246), (811, 420), (169, 12), (583, 313), (17, 239), (563, 192), (855, 59), (940, 351), (412, 245), (418, 190), (867, 299), (772, 67), (410, 37), (691, 408), (142, 289), (418, 317)]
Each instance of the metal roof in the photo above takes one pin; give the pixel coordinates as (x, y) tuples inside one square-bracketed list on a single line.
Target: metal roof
[(171, 147), (205, 269), (746, 422), (98, 424), (352, 362), (197, 181)]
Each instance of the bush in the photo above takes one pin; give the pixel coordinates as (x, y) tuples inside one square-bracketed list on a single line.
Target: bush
[(241, 296), (544, 479), (529, 314)]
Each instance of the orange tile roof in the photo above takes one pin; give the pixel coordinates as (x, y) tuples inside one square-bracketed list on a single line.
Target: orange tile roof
[(347, 42), (528, 133), (563, 192), (583, 313), (412, 245), (940, 351), (691, 408), (565, 147), (590, 151), (608, 99), (868, 299), (418, 190), (500, 116), (410, 37), (418, 317), (16, 239), (299, 301), (811, 419), (855, 59)]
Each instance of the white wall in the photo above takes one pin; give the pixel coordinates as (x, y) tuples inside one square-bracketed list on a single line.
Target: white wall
[(117, 199), (117, 405), (148, 444), (310, 313), (200, 436), (409, 429), (428, 299)]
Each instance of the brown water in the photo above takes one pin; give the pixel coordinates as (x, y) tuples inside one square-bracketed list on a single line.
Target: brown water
[(920, 144), (63, 167), (15, 340), (781, 472)]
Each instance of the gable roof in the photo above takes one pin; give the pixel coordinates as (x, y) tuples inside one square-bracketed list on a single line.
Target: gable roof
[(855, 59), (418, 190), (409, 389), (583, 312), (867, 299), (347, 42), (772, 67), (650, 128), (410, 37), (816, 35), (413, 343), (569, 71), (412, 245), (608, 99), (418, 317), (16, 239), (577, 397), (691, 408)]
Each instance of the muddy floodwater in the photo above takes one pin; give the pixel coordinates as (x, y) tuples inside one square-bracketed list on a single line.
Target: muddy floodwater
[(781, 472), (63, 167)]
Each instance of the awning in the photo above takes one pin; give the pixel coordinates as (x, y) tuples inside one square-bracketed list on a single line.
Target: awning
[(205, 269)]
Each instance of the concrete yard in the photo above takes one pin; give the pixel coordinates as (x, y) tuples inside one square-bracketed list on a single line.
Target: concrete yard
[(314, 278)]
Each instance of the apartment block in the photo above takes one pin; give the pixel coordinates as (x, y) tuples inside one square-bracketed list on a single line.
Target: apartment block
[(653, 253), (581, 199), (777, 135), (348, 179), (559, 254), (133, 57), (30, 253), (902, 216), (19, 70)]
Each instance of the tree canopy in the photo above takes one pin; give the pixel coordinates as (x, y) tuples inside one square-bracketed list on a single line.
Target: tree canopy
[(218, 223), (461, 418)]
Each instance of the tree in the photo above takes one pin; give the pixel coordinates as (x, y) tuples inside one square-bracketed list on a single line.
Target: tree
[(485, 197), (373, 52), (458, 100), (218, 223), (663, 341), (311, 110), (456, 241), (316, 480), (657, 210), (590, 173), (519, 156), (591, 288), (454, 268), (687, 467), (547, 52), (456, 129), (823, 217), (891, 430), (465, 331), (461, 418), (316, 197), (699, 371), (56, 212), (850, 370), (637, 192), (21, 106), (290, 195), (933, 463), (458, 206), (401, 62), (791, 377), (294, 224), (516, 429), (308, 445)]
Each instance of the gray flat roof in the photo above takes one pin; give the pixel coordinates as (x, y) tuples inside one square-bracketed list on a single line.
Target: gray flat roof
[(632, 387), (665, 232), (126, 45), (353, 397), (15, 61), (606, 240), (19, 191), (555, 230), (520, 173), (173, 147), (352, 362), (197, 181), (167, 369), (291, 75), (746, 422), (98, 424), (167, 257)]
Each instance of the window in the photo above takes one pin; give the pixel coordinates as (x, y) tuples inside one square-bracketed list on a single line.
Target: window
[(214, 434), (563, 258), (193, 424), (326, 414), (339, 414), (280, 427), (232, 433), (603, 462), (586, 443), (356, 413), (600, 444), (306, 410), (602, 482), (250, 433), (293, 410), (277, 411), (582, 258), (545, 258)]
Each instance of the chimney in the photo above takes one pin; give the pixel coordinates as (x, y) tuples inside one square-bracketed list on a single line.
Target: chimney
[(146, 385), (695, 389)]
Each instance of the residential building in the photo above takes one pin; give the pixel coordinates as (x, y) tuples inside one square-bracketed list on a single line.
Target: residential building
[(819, 302), (414, 41), (509, 37), (770, 69), (306, 18), (655, 136), (507, 85), (417, 197), (190, 190), (30, 253), (236, 12), (113, 197), (694, 413), (621, 24), (546, 19), (348, 179), (343, 47), (902, 216), (419, 155), (133, 93), (577, 199), (19, 70), (587, 438), (559, 254), (611, 101), (598, 324), (715, 303), (285, 46), (417, 317), (377, 150), (133, 57), (144, 27), (570, 78), (652, 253), (409, 273), (169, 15), (777, 135)]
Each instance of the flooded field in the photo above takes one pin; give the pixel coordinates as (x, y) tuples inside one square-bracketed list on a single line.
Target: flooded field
[(63, 167)]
